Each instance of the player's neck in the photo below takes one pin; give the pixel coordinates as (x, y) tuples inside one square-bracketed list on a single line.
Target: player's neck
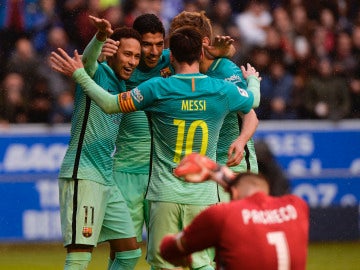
[(184, 68), (205, 64)]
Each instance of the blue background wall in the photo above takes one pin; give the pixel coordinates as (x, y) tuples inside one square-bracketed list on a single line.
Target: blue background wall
[(321, 159)]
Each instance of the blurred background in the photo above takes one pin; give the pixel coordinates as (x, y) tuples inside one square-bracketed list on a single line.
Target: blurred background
[(307, 53)]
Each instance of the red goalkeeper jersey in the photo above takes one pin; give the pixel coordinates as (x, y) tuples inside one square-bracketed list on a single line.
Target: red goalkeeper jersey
[(258, 232)]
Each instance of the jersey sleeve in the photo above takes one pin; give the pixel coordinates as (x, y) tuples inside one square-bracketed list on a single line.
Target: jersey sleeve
[(91, 54), (254, 88), (240, 100), (106, 101), (143, 96)]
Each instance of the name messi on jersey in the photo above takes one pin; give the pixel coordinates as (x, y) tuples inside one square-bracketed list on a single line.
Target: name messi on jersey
[(193, 105)]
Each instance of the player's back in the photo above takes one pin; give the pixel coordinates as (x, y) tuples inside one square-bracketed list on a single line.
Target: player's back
[(186, 113), (133, 140), (263, 232)]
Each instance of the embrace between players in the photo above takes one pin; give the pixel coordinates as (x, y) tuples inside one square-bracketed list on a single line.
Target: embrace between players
[(165, 202)]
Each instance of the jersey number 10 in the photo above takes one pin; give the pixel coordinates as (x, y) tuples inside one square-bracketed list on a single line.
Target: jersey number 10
[(188, 136)]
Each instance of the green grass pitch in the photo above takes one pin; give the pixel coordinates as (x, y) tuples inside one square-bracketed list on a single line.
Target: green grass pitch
[(50, 256)]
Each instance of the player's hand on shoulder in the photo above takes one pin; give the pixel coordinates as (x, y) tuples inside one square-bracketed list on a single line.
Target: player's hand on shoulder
[(222, 47)]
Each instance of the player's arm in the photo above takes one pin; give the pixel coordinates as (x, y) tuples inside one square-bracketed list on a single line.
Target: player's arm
[(93, 49), (236, 150), (73, 67), (253, 82)]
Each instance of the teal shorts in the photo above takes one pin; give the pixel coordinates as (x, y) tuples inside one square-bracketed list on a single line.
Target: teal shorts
[(133, 187), (171, 218), (92, 213)]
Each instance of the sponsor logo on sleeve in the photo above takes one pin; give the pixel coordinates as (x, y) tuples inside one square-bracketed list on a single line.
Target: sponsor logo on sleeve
[(234, 79), (243, 92), (136, 94)]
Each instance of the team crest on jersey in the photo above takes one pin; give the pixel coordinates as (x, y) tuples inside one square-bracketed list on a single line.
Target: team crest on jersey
[(243, 92), (89, 212), (165, 72), (124, 96), (87, 232)]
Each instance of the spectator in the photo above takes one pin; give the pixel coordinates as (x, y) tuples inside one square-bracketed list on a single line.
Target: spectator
[(16, 20), (64, 107), (276, 91), (252, 23), (251, 224), (355, 97), (24, 60), (58, 38), (46, 18), (328, 23), (40, 102), (343, 59), (283, 24), (85, 29), (13, 103), (326, 94), (222, 17)]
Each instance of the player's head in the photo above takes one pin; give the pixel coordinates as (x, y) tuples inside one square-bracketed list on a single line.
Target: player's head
[(186, 45), (152, 33), (248, 183), (128, 55), (198, 20)]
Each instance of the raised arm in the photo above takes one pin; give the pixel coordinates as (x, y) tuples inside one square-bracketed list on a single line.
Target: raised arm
[(93, 49), (73, 67), (253, 80)]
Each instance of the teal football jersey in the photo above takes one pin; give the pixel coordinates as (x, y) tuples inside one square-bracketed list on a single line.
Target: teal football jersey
[(225, 69), (93, 133), (186, 112), (133, 141)]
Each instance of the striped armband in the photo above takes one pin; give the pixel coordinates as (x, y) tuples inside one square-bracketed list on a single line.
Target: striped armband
[(126, 102)]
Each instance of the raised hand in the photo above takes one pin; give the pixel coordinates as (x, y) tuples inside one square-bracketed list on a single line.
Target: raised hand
[(221, 47), (103, 26), (249, 70), (63, 63)]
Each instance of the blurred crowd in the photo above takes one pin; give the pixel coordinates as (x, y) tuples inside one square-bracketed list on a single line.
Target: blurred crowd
[(307, 52)]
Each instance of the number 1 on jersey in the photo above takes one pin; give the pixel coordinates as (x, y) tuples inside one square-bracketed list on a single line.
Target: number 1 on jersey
[(190, 135), (278, 239)]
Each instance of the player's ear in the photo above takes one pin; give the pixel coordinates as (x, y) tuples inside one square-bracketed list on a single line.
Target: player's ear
[(171, 58), (206, 41), (202, 56)]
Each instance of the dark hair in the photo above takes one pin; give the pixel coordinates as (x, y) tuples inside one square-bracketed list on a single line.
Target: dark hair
[(125, 32), (149, 23), (186, 45), (243, 175)]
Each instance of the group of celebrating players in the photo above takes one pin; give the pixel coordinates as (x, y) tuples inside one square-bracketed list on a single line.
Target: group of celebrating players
[(170, 113)]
